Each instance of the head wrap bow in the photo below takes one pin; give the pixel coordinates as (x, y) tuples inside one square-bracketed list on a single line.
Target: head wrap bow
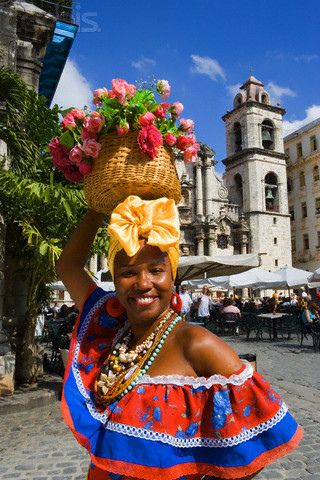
[(157, 221)]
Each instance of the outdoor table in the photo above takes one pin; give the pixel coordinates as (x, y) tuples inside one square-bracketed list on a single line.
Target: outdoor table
[(274, 317)]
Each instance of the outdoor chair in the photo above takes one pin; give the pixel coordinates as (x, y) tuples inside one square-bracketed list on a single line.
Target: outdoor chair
[(249, 323), (229, 323), (57, 341), (304, 329), (290, 325), (316, 336)]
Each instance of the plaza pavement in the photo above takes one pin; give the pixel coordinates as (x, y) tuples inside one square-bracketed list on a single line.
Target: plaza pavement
[(36, 445)]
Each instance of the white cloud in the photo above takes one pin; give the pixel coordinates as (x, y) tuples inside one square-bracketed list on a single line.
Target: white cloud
[(207, 66), (73, 89), (312, 113), (307, 58), (277, 92), (143, 63), (233, 89)]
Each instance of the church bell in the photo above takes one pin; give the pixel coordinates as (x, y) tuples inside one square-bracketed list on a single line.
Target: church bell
[(269, 195), (267, 140)]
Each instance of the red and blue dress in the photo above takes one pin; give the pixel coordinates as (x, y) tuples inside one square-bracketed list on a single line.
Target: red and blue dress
[(170, 426)]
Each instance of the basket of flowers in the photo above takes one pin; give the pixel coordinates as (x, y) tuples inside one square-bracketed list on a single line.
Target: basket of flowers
[(125, 146)]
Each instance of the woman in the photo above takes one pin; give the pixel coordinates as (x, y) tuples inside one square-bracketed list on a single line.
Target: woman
[(150, 396)]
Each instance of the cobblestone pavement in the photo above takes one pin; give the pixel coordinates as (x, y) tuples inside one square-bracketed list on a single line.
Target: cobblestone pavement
[(36, 445)]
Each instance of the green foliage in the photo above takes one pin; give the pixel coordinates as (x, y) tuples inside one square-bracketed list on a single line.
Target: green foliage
[(40, 206)]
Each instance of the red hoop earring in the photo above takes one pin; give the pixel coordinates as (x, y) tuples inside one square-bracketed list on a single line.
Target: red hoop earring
[(114, 308), (176, 302)]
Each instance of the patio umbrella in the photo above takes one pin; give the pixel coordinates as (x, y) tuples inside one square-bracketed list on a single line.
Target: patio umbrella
[(256, 278), (315, 276), (291, 277), (194, 267)]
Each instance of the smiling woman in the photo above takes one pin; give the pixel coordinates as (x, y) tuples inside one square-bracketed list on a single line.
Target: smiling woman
[(147, 394)]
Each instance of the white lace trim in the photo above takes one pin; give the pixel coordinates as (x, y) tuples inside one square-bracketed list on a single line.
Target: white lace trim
[(195, 382), (101, 417), (198, 441)]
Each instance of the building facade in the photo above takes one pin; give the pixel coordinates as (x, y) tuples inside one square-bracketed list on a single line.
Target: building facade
[(255, 173), (303, 163)]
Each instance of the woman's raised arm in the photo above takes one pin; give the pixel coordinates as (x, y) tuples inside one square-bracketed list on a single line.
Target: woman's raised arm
[(71, 264)]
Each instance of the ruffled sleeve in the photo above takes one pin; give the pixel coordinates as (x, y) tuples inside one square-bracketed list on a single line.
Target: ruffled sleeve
[(91, 341)]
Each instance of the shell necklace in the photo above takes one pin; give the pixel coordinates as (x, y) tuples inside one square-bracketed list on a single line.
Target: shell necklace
[(122, 369)]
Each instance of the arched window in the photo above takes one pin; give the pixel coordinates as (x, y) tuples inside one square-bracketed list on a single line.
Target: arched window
[(238, 191), (267, 134), (271, 192), (238, 100), (315, 173), (237, 137)]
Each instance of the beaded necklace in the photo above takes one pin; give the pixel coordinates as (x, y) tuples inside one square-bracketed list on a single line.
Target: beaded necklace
[(122, 369)]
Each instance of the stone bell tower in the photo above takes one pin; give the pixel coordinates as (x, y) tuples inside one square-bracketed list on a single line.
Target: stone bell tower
[(256, 172)]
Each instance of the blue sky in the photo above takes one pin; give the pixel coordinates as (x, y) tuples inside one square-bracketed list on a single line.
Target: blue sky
[(205, 49)]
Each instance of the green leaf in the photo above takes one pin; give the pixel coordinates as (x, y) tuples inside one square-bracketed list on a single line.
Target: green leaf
[(67, 139)]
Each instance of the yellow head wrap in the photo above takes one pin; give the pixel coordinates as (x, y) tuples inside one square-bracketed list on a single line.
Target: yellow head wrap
[(157, 221)]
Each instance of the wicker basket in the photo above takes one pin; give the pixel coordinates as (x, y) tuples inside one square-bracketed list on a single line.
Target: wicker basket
[(121, 169)]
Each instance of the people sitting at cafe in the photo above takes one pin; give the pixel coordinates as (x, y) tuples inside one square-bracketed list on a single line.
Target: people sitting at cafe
[(230, 307), (310, 315)]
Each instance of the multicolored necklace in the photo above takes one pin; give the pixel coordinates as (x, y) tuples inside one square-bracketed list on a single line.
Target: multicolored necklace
[(122, 369)]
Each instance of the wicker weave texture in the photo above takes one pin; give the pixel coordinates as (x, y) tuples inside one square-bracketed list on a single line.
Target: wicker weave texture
[(121, 169)]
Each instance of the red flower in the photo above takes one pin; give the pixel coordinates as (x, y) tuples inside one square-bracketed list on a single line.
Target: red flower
[(149, 139), (185, 141), (160, 112)]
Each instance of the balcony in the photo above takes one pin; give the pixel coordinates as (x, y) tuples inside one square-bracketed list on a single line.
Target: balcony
[(61, 9)]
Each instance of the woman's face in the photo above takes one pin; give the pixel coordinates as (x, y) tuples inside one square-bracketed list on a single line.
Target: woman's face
[(144, 283)]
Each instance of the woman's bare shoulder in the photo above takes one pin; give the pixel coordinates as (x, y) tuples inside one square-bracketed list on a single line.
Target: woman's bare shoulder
[(206, 352)]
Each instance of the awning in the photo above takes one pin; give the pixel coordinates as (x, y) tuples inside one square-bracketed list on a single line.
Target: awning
[(55, 58), (214, 266)]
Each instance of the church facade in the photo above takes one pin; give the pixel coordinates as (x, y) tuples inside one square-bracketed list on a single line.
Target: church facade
[(247, 210)]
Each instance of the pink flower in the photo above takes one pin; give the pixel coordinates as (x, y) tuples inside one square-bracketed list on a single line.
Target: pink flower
[(186, 124), (177, 109), (59, 154), (77, 113), (149, 139), (170, 139), (98, 94), (76, 154), (94, 123), (123, 129), (72, 174), (122, 90), (190, 153), (85, 134), (68, 122), (146, 119), (91, 147), (163, 88), (119, 89), (130, 90), (160, 112), (85, 168), (185, 141)]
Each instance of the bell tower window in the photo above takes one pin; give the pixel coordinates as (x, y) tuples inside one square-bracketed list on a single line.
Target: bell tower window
[(238, 190), (237, 137), (267, 135), (271, 192)]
